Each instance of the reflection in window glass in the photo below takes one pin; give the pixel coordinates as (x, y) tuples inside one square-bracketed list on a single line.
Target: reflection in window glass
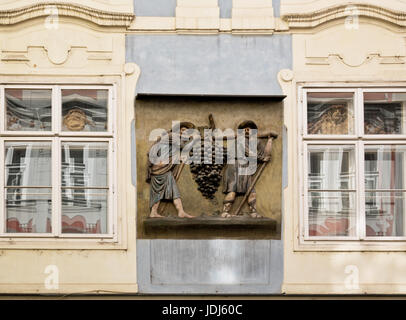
[(28, 109), (84, 187), (330, 113), (384, 182), (84, 110), (331, 195), (28, 187), (384, 112)]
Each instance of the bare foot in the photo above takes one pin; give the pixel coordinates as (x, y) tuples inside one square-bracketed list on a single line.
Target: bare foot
[(183, 214), (155, 215), (226, 215), (255, 215)]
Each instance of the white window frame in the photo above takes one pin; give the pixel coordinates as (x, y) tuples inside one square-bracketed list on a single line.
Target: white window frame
[(56, 137), (359, 140)]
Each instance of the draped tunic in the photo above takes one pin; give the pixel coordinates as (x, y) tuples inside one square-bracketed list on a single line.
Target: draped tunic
[(161, 175)]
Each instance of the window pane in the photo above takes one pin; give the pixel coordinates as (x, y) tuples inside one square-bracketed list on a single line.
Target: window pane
[(84, 187), (28, 187), (28, 210), (385, 170), (385, 214), (28, 109), (385, 167), (28, 164), (331, 168), (330, 113), (384, 113), (84, 110), (84, 211), (84, 164), (332, 214)]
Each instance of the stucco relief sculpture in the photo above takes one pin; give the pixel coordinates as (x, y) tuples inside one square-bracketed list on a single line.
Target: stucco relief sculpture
[(236, 159), (237, 179), (164, 170)]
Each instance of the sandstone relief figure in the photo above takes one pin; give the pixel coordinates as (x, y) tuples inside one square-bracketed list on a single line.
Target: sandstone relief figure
[(236, 181), (162, 176)]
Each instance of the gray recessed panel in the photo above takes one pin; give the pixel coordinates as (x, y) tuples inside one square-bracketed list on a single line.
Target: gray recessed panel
[(209, 64), (209, 266)]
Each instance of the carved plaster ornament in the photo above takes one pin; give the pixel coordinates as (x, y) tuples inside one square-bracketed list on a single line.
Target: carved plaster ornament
[(58, 51), (9, 16), (336, 44), (75, 120)]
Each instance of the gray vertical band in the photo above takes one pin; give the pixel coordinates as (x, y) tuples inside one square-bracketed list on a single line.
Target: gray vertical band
[(154, 8), (276, 4), (225, 8)]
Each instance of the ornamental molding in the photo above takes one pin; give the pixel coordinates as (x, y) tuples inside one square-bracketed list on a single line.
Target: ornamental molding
[(336, 45), (316, 18), (68, 46), (42, 9)]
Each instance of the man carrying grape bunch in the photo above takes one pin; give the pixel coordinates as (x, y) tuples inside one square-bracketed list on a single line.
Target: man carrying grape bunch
[(161, 173), (237, 180)]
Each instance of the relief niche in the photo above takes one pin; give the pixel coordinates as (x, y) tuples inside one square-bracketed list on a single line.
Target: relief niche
[(212, 173)]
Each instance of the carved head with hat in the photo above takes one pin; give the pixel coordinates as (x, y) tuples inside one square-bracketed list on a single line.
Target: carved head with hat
[(247, 126)]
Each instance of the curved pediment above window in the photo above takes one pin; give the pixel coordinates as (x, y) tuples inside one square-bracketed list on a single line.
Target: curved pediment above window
[(10, 15), (311, 14)]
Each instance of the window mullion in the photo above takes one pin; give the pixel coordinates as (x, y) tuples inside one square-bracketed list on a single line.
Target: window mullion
[(110, 114), (361, 191), (56, 110), (2, 109), (56, 167), (55, 183), (304, 191), (111, 193), (360, 112), (361, 166), (3, 191), (2, 173), (303, 114)]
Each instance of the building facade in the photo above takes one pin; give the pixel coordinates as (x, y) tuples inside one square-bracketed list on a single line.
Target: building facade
[(85, 83)]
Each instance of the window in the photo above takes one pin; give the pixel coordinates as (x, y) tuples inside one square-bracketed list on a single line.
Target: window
[(56, 161), (354, 159)]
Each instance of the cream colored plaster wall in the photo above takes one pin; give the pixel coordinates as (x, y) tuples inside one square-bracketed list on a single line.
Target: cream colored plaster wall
[(373, 54), (76, 51)]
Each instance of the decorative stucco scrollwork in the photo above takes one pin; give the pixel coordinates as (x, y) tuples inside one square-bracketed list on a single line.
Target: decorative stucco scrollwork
[(318, 17), (99, 17)]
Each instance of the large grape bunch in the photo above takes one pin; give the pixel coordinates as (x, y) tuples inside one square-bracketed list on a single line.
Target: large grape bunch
[(208, 174)]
